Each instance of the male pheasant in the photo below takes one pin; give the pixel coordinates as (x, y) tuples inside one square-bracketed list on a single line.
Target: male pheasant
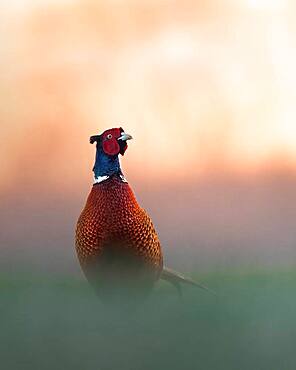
[(116, 242)]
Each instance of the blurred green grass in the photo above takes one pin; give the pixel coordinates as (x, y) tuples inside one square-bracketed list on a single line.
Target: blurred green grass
[(56, 322)]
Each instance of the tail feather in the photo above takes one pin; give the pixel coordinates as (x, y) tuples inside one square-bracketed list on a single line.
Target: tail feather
[(176, 279)]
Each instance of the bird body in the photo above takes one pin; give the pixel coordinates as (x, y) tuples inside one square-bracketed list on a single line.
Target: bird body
[(116, 243)]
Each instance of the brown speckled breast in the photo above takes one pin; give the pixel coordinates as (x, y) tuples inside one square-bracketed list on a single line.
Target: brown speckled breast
[(116, 242)]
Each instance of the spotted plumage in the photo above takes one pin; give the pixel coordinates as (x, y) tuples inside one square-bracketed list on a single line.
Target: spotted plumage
[(116, 243), (115, 238)]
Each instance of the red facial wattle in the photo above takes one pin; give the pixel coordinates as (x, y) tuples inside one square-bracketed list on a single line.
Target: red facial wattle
[(110, 143), (111, 147)]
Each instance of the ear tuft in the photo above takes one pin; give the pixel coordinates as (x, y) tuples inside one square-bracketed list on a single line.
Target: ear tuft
[(94, 138)]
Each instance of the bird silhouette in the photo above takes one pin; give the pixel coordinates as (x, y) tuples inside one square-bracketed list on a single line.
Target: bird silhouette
[(117, 245)]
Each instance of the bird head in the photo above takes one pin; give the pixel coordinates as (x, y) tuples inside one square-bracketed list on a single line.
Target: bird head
[(112, 141)]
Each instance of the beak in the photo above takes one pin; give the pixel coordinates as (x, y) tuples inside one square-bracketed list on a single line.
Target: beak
[(125, 137)]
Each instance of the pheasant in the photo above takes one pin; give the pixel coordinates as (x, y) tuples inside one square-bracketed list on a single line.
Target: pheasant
[(116, 243)]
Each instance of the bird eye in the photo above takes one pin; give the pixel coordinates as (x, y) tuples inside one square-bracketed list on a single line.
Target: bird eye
[(109, 136)]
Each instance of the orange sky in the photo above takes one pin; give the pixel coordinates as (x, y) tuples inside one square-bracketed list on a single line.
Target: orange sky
[(200, 87), (207, 89)]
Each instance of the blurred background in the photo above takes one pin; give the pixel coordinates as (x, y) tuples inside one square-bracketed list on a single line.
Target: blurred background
[(207, 89)]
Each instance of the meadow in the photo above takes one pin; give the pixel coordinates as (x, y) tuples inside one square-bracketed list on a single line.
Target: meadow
[(56, 322)]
